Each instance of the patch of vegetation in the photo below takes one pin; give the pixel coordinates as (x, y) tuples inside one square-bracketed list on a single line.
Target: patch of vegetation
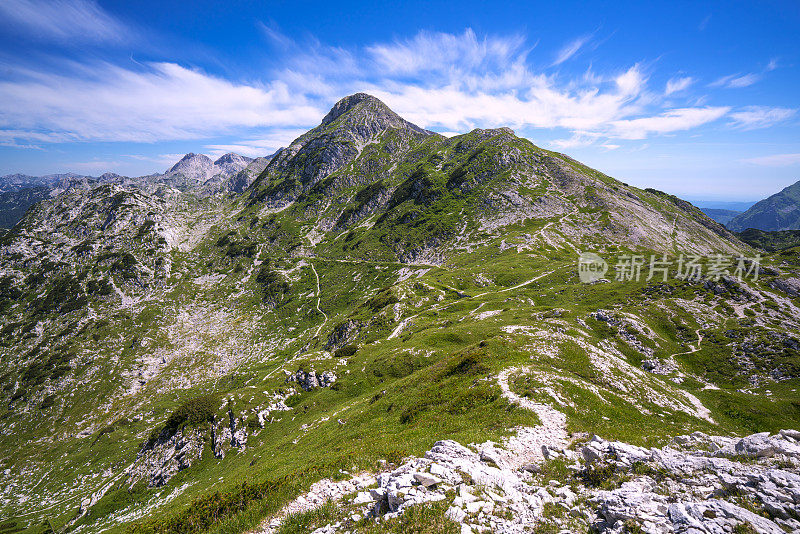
[(192, 413), (273, 286), (427, 518), (145, 228), (771, 241), (598, 475), (125, 265), (346, 351)]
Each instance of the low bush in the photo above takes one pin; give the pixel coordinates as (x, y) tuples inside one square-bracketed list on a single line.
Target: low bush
[(346, 351)]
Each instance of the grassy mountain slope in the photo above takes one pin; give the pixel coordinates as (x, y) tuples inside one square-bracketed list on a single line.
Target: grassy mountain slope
[(156, 348), (781, 211), (770, 241)]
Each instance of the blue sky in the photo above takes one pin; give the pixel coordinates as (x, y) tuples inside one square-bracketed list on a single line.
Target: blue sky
[(695, 98)]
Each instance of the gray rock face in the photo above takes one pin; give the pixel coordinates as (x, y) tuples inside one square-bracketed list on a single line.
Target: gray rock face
[(158, 463), (231, 163), (659, 367), (195, 166), (352, 124), (790, 286), (696, 485), (309, 380), (700, 487), (199, 167)]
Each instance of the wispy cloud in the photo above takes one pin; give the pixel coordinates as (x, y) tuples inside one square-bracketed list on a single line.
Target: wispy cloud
[(570, 49), (163, 101), (677, 84), (74, 20), (670, 121), (262, 146), (429, 51), (775, 160), (735, 81), (94, 165), (753, 117)]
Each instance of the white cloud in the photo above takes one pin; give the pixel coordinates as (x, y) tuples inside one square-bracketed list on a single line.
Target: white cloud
[(670, 121), (677, 84), (94, 165), (445, 82), (73, 20), (262, 146), (429, 51), (576, 141), (753, 117), (570, 49), (775, 160), (736, 81), (165, 101)]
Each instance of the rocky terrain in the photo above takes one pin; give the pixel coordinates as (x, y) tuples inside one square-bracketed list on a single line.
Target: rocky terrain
[(379, 327), (230, 173)]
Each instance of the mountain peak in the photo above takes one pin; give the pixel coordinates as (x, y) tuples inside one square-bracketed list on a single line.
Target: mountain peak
[(232, 158), (362, 109), (197, 166), (349, 102)]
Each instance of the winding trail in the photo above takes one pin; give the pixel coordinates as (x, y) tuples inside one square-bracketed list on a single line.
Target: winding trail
[(526, 445), (396, 332), (319, 328), (523, 447)]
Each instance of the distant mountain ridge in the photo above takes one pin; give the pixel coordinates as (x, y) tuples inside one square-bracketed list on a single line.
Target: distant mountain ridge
[(722, 216), (230, 173), (780, 211), (201, 168)]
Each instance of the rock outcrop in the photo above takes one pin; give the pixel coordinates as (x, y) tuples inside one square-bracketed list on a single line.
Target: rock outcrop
[(699, 484)]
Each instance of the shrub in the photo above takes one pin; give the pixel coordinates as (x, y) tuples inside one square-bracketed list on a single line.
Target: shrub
[(597, 475), (145, 228), (273, 286), (125, 265), (465, 364), (192, 412), (346, 351), (381, 300), (47, 402)]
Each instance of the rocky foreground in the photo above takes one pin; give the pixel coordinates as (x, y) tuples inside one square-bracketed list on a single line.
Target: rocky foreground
[(697, 484)]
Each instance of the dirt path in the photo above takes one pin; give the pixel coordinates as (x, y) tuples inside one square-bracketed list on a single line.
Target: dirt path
[(526, 445), (319, 328), (400, 327)]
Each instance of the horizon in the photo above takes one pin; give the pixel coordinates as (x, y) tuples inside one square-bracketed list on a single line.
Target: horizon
[(95, 87)]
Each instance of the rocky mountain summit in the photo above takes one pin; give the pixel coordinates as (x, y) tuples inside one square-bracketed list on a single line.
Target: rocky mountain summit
[(200, 167), (194, 173), (381, 329)]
